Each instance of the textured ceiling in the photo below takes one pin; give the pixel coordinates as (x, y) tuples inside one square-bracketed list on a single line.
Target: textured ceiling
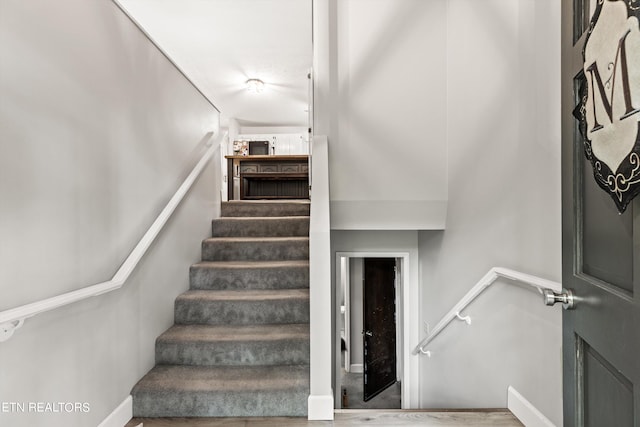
[(220, 44)]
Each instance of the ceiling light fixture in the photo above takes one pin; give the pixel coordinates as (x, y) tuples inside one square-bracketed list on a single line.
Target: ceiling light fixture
[(255, 85)]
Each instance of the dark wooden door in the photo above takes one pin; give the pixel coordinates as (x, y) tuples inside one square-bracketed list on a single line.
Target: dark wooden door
[(379, 325), (601, 264)]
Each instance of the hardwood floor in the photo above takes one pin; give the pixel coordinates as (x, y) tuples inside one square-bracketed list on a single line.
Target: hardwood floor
[(493, 418)]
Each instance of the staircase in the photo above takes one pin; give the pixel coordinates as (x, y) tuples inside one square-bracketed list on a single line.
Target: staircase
[(240, 343)]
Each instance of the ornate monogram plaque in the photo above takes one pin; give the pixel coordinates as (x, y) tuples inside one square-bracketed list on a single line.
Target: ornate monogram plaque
[(609, 109)]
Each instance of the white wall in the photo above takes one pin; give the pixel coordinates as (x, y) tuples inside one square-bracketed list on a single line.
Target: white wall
[(388, 156), (503, 128), (97, 131), (484, 77)]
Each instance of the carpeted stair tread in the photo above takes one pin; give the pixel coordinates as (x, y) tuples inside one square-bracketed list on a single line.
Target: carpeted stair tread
[(255, 248), (258, 239), (222, 391), (242, 307), (224, 378), (245, 295), (263, 208), (286, 274), (248, 264), (215, 333), (266, 218), (260, 226), (232, 345)]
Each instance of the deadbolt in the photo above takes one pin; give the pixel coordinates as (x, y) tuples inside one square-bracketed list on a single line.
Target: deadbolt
[(566, 298)]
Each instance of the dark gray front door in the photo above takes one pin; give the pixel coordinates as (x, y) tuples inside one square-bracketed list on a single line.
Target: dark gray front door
[(601, 264), (379, 325)]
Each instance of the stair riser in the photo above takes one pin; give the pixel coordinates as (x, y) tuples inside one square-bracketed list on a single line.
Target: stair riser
[(213, 250), (235, 353), (276, 227), (232, 403), (241, 312), (213, 278), (231, 209)]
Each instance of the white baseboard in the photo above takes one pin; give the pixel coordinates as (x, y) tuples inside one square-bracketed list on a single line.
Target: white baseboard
[(356, 368), (528, 414), (120, 416), (320, 408)]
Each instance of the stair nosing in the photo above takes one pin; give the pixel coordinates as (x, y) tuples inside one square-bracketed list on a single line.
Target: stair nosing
[(259, 294), (261, 218), (252, 264), (300, 201), (249, 239)]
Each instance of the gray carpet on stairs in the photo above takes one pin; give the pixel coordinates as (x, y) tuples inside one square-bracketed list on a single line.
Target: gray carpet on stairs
[(255, 248), (265, 208), (225, 345), (261, 227), (250, 275), (243, 307), (240, 343), (227, 391)]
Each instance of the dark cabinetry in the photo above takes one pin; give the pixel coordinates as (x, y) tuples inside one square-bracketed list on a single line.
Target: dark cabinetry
[(269, 177)]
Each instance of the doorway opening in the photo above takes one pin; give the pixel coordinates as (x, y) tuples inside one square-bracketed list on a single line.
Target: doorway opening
[(370, 330)]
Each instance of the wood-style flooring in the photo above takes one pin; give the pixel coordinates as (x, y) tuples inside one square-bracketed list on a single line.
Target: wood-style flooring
[(493, 418)]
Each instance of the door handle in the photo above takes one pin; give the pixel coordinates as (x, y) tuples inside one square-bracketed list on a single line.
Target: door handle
[(566, 297), (368, 333)]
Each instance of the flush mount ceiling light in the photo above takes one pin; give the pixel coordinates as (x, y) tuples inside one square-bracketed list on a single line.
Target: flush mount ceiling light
[(255, 85)]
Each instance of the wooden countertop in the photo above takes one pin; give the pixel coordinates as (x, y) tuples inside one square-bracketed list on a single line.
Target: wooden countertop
[(275, 157)]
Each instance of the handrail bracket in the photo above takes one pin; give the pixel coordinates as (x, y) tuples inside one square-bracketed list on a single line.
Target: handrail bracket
[(426, 352), (465, 319), (7, 329)]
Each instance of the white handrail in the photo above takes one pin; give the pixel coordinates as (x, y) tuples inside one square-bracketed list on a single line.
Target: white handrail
[(478, 288), (12, 319)]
